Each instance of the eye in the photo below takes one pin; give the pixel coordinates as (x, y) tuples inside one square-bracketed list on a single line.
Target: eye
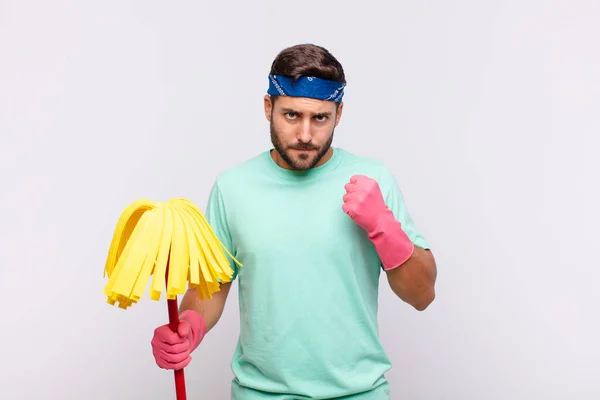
[(321, 118), (290, 115)]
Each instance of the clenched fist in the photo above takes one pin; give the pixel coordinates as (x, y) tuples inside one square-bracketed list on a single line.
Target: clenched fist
[(364, 203), (172, 350)]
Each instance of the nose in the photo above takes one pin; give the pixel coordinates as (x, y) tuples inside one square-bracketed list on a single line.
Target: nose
[(304, 133)]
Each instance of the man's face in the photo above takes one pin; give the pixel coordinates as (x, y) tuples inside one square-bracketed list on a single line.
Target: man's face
[(302, 130)]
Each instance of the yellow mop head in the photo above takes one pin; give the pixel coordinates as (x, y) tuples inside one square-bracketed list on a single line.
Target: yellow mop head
[(152, 238)]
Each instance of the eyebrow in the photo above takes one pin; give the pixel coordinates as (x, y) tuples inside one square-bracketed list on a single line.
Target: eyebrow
[(319, 114)]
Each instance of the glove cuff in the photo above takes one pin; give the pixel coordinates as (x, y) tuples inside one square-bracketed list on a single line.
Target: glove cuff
[(392, 244)]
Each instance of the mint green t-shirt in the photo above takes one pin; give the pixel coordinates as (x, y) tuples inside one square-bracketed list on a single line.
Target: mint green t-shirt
[(308, 288)]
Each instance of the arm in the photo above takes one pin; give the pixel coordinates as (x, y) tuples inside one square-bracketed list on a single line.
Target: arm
[(414, 280), (410, 268), (379, 208), (172, 350), (210, 310)]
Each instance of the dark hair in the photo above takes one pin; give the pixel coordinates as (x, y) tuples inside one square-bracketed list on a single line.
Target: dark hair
[(308, 60)]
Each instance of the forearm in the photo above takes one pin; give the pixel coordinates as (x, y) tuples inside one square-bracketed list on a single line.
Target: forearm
[(411, 270), (414, 280), (210, 310)]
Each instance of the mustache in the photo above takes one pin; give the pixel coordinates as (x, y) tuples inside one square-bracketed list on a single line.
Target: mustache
[(304, 146)]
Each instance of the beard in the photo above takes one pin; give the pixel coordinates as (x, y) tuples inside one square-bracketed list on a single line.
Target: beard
[(304, 161)]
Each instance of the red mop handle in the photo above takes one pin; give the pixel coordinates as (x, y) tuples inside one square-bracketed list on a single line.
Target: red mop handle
[(173, 324)]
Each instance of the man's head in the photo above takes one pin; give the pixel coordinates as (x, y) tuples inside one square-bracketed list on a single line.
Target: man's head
[(303, 122)]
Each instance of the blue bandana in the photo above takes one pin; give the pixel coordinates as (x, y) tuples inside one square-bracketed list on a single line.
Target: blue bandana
[(315, 88)]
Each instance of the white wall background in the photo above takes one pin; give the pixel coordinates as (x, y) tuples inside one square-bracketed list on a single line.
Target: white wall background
[(486, 110)]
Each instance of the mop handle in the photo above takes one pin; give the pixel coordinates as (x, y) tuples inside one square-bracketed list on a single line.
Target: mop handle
[(173, 324)]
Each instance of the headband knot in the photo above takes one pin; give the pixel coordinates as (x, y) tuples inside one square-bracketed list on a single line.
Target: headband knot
[(306, 86)]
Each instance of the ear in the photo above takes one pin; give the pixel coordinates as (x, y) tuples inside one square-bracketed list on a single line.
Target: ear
[(268, 107), (338, 113)]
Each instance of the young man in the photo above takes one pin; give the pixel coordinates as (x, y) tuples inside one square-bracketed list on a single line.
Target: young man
[(313, 226)]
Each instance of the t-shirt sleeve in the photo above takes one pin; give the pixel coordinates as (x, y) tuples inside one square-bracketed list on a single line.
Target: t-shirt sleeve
[(395, 201), (216, 216)]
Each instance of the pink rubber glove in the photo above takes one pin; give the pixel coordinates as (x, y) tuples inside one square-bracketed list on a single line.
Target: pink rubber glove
[(172, 350), (364, 203)]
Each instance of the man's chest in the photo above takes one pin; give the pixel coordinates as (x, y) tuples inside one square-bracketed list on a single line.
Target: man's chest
[(293, 221)]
